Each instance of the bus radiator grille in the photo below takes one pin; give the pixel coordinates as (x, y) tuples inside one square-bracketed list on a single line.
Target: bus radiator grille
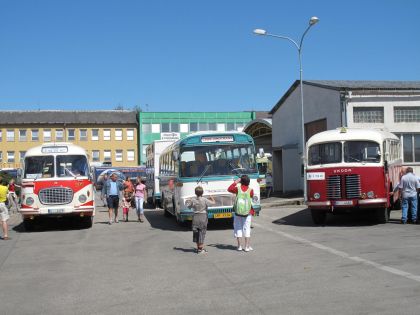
[(334, 187), (223, 200), (56, 196), (353, 186)]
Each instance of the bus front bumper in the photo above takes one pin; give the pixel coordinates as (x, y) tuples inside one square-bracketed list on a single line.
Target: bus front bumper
[(353, 203), (55, 211)]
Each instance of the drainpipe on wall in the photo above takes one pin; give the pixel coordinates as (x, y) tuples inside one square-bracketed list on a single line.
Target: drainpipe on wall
[(344, 97)]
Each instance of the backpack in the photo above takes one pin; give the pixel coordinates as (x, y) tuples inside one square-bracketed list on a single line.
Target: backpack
[(243, 202)]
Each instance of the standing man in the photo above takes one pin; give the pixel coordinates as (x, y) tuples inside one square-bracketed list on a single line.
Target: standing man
[(4, 212), (113, 187), (103, 193), (409, 186)]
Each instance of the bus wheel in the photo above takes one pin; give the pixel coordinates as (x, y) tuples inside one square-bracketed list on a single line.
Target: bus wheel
[(28, 225), (319, 217), (382, 215), (86, 222)]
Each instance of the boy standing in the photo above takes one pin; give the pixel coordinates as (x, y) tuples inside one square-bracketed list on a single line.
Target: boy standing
[(200, 218)]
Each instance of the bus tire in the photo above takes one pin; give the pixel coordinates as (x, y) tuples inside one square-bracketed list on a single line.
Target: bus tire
[(319, 217), (382, 215), (28, 225), (86, 222)]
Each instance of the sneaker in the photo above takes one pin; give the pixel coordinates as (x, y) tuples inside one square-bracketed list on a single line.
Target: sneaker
[(110, 222), (248, 249), (239, 248), (116, 220), (202, 251), (403, 222)]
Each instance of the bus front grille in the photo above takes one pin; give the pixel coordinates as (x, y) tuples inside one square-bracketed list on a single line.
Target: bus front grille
[(353, 186), (56, 196), (334, 187), (223, 200)]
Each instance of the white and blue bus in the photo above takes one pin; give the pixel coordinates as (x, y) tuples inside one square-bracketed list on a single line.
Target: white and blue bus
[(211, 160)]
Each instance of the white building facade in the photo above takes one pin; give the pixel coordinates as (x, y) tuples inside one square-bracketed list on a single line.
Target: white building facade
[(390, 105)]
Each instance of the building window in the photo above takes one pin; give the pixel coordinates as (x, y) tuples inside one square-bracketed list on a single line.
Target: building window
[(240, 126), (107, 155), (155, 128), (193, 127), (71, 134), (203, 126), (10, 135), (59, 134), (118, 134), (230, 127), (35, 135), (183, 127), (83, 135), (174, 127), (47, 135), (130, 155), (21, 155), (212, 126), (146, 128), (411, 147), (95, 134), (11, 156), (107, 134), (221, 127), (407, 114), (130, 134), (95, 156), (165, 127), (22, 135), (118, 155), (368, 115)]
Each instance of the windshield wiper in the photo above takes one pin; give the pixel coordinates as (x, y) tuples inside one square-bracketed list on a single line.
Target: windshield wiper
[(70, 172), (203, 173)]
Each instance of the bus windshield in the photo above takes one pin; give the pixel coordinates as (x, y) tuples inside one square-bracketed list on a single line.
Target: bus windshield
[(72, 165), (325, 153), (39, 166), (217, 160), (362, 151)]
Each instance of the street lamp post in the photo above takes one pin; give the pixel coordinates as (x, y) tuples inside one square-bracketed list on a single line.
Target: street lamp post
[(313, 20)]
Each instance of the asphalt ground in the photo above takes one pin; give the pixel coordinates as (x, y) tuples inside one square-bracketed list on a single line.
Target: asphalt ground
[(349, 266)]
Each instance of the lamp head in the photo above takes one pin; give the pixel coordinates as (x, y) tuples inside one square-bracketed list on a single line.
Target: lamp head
[(313, 20), (259, 31)]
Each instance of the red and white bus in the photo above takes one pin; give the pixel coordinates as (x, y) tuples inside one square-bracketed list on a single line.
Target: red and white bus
[(352, 169), (56, 182)]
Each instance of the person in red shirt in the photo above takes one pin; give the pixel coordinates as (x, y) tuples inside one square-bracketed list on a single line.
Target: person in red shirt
[(242, 223)]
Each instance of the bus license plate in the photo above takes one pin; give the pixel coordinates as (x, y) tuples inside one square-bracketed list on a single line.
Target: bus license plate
[(55, 210), (344, 203), (222, 215)]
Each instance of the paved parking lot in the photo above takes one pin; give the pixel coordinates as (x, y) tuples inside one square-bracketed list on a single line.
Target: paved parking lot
[(350, 266)]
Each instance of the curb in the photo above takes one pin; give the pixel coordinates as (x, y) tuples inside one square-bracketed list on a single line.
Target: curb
[(284, 202)]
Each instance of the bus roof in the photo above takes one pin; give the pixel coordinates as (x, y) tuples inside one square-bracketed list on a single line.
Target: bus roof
[(55, 148), (344, 134)]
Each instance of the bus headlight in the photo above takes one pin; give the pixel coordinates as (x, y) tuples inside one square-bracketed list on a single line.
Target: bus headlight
[(29, 201), (255, 199), (370, 194), (188, 203), (317, 195), (82, 198)]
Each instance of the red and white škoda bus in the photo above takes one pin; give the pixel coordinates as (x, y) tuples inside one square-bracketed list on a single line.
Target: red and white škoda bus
[(56, 182), (350, 169)]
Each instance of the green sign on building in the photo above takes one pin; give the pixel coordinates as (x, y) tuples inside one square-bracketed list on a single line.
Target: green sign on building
[(175, 125)]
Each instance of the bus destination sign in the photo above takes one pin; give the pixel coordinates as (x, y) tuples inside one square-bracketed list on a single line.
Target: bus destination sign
[(54, 150), (217, 139)]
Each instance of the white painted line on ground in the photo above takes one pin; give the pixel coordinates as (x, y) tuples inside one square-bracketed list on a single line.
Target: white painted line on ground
[(342, 254)]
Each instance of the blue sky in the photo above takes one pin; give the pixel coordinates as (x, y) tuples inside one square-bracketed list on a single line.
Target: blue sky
[(194, 55)]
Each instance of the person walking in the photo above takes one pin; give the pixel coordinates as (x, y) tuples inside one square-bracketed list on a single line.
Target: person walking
[(103, 193), (126, 204), (409, 187), (128, 186), (113, 188), (200, 218), (243, 211), (140, 195), (11, 196), (4, 211)]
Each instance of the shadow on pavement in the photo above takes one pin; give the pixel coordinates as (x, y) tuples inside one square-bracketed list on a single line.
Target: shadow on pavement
[(157, 220), (51, 224), (303, 218), (185, 250), (223, 246)]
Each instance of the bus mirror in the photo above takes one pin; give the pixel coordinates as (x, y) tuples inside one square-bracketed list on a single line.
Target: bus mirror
[(175, 155)]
